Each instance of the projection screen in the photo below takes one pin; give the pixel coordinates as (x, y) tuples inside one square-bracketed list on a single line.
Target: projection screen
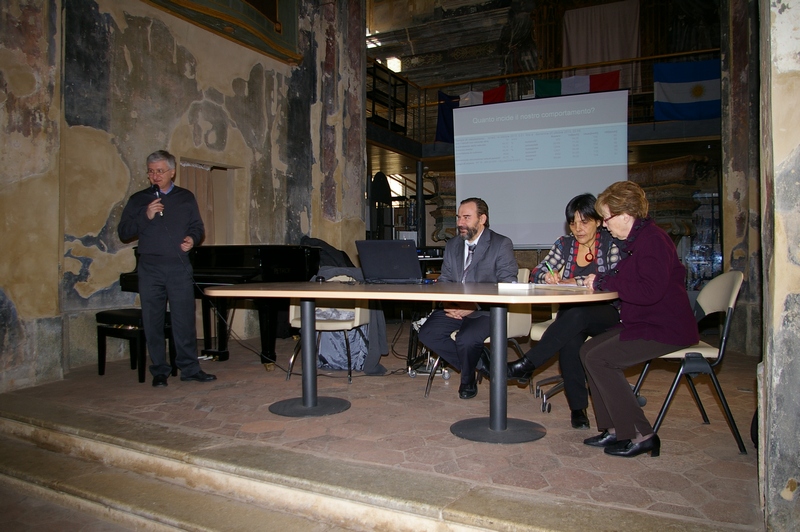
[(528, 158)]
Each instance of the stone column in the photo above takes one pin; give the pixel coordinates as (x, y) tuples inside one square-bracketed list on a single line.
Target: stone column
[(739, 199), (779, 402)]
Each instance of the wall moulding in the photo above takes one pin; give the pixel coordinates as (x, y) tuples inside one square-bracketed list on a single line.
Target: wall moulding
[(266, 26)]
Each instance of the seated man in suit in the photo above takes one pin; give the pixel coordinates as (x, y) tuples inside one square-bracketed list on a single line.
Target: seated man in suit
[(479, 256)]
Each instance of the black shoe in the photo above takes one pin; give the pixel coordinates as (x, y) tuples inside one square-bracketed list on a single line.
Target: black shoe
[(468, 390), (520, 370), (200, 376), (628, 449), (579, 419), (603, 439), (160, 381), (484, 367)]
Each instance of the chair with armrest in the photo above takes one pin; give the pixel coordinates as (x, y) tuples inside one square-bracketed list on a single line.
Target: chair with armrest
[(346, 315), (518, 324), (718, 296)]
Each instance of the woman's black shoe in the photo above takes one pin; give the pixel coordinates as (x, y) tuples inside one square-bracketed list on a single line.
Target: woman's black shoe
[(520, 370), (579, 419), (601, 440), (627, 448)]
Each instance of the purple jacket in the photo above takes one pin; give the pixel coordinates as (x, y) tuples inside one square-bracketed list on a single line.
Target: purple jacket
[(650, 280)]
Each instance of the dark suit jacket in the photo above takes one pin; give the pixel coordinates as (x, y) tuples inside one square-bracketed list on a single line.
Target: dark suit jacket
[(493, 260)]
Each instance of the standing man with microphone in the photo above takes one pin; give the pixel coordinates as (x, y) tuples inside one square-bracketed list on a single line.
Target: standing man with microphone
[(166, 220)]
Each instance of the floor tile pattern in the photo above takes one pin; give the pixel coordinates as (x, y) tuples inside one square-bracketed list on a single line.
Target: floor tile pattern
[(700, 473)]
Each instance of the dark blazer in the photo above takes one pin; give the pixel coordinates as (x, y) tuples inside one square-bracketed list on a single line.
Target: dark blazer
[(493, 260)]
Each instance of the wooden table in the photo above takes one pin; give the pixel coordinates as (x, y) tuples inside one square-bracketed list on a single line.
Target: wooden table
[(497, 428)]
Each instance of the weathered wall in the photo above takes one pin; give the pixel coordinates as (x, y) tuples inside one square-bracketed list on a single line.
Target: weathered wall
[(137, 79), (336, 115), (30, 321), (779, 445), (740, 199)]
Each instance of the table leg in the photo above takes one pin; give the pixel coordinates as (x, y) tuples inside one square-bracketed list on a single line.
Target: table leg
[(309, 405), (497, 428)]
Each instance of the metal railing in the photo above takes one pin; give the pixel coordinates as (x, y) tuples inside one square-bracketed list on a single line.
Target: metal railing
[(420, 108)]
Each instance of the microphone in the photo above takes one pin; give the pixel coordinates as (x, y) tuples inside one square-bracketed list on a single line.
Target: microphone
[(157, 192)]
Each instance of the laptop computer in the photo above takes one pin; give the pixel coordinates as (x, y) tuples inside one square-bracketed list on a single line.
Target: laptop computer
[(389, 261)]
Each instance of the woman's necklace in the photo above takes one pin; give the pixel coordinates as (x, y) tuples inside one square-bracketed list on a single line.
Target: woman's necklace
[(589, 257)]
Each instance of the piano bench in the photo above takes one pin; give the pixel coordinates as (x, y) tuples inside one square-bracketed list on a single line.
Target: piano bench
[(127, 324)]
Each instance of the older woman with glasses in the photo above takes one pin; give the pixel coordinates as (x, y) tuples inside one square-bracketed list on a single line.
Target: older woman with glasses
[(655, 318)]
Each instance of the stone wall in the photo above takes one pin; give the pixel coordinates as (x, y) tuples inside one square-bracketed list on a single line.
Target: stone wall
[(137, 79), (779, 402)]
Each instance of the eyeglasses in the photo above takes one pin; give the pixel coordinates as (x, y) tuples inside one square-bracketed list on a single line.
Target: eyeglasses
[(605, 220), (160, 171)]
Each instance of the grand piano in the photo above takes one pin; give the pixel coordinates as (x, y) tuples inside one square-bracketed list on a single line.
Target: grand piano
[(229, 265)]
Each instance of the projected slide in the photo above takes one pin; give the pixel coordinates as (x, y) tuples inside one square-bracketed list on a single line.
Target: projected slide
[(528, 158)]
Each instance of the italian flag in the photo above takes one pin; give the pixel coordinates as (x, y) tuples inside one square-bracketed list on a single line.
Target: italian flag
[(607, 81)]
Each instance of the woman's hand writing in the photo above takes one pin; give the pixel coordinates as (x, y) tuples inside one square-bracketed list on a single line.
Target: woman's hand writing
[(552, 278)]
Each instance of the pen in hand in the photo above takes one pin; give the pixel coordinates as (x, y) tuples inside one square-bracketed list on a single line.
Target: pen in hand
[(550, 269)]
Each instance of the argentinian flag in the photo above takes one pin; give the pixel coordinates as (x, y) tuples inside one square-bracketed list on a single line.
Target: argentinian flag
[(687, 91)]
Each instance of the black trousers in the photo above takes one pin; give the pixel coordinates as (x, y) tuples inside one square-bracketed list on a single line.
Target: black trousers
[(464, 352), (605, 357), (565, 336), (159, 282)]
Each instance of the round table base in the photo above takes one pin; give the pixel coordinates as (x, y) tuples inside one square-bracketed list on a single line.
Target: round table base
[(517, 431), (295, 407)]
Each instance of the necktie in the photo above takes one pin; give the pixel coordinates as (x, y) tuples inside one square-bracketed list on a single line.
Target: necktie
[(471, 249)]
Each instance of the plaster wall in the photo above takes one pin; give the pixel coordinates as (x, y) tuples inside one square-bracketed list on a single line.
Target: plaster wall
[(137, 79), (779, 405), (337, 123), (30, 324)]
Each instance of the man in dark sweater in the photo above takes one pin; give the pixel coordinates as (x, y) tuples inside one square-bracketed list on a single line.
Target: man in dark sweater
[(167, 222)]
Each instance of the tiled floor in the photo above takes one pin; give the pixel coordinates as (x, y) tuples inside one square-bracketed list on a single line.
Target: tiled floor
[(700, 473)]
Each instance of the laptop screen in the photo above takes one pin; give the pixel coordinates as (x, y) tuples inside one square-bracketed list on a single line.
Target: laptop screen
[(389, 261)]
